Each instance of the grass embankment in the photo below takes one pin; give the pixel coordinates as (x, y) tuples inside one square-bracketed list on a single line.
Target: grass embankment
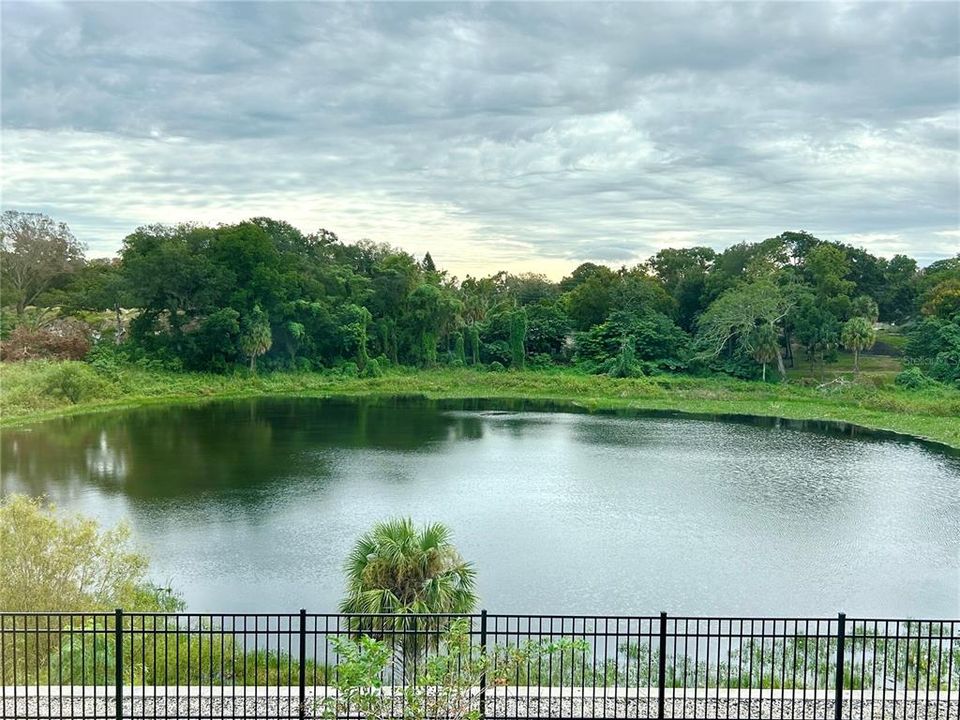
[(25, 395)]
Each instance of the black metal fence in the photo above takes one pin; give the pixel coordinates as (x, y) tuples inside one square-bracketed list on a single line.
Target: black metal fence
[(149, 665)]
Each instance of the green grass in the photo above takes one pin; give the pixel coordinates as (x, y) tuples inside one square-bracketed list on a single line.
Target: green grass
[(874, 369), (930, 414)]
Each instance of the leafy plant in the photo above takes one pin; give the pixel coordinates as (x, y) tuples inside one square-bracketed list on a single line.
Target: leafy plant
[(72, 381)]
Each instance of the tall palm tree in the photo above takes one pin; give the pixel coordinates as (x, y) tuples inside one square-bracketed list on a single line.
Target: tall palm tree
[(858, 335), (764, 345), (398, 568)]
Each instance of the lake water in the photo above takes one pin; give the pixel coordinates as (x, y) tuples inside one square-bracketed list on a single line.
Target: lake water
[(253, 505)]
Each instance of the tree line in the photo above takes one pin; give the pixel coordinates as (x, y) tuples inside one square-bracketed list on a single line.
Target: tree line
[(263, 294)]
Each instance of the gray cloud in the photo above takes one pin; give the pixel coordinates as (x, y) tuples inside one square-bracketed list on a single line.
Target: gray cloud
[(528, 135)]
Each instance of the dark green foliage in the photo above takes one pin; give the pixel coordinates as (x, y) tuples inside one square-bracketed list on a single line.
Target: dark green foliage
[(518, 336), (591, 298), (473, 341), (652, 337), (255, 336), (217, 340), (625, 364), (913, 378), (262, 293), (934, 347), (816, 329), (547, 329), (459, 352)]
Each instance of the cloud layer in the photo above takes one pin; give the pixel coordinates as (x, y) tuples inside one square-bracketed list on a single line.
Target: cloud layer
[(529, 136)]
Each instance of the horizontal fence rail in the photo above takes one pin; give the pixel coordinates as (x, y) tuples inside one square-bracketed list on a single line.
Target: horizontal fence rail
[(305, 665)]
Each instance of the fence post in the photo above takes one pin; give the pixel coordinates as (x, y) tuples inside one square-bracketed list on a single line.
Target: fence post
[(118, 662), (838, 691), (483, 654), (302, 713), (662, 667)]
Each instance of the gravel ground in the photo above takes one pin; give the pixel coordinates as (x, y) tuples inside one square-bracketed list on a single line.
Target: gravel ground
[(282, 707)]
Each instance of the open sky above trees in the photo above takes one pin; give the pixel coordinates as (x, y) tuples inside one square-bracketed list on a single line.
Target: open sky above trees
[(528, 137)]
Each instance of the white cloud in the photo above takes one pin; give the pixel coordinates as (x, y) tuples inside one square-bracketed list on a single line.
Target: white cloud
[(505, 135)]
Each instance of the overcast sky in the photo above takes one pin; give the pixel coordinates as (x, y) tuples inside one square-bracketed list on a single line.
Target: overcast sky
[(527, 137)]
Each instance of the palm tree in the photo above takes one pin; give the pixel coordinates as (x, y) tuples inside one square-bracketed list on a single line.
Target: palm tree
[(764, 345), (399, 568), (858, 334)]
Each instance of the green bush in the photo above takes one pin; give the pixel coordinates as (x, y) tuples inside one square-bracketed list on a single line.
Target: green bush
[(496, 366), (73, 381), (913, 379), (539, 361), (371, 369), (654, 339), (348, 369)]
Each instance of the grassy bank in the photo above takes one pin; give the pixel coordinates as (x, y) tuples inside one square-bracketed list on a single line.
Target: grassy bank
[(26, 394)]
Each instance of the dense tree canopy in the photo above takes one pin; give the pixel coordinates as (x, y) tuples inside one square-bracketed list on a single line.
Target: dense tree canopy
[(264, 295)]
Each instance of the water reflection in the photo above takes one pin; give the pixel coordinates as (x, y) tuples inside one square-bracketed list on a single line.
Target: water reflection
[(252, 505)]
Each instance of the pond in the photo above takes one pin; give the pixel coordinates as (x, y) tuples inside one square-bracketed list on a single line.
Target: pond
[(253, 505)]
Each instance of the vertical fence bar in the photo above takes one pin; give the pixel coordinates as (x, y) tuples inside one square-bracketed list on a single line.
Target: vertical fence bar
[(662, 668), (118, 662), (301, 713), (838, 690), (483, 653)]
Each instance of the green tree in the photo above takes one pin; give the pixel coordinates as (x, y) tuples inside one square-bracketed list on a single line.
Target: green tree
[(865, 306), (547, 329), (817, 330), (591, 296), (50, 561), (98, 285), (432, 314), (255, 338), (473, 343), (518, 337), (943, 300), (825, 268), (459, 351), (934, 346), (399, 568), (899, 291), (858, 335), (764, 345), (652, 337), (735, 315), (683, 273), (34, 251), (625, 364), (354, 323)]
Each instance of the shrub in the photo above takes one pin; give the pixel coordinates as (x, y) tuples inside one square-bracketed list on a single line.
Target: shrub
[(348, 369), (496, 351), (108, 358), (63, 339), (540, 361), (371, 369), (52, 562), (496, 366), (914, 379), (72, 381), (654, 338), (934, 346), (625, 364)]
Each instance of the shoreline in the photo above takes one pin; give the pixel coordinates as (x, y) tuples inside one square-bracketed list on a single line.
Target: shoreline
[(933, 419)]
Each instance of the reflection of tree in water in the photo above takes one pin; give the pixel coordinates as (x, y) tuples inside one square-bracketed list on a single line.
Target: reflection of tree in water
[(237, 447)]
